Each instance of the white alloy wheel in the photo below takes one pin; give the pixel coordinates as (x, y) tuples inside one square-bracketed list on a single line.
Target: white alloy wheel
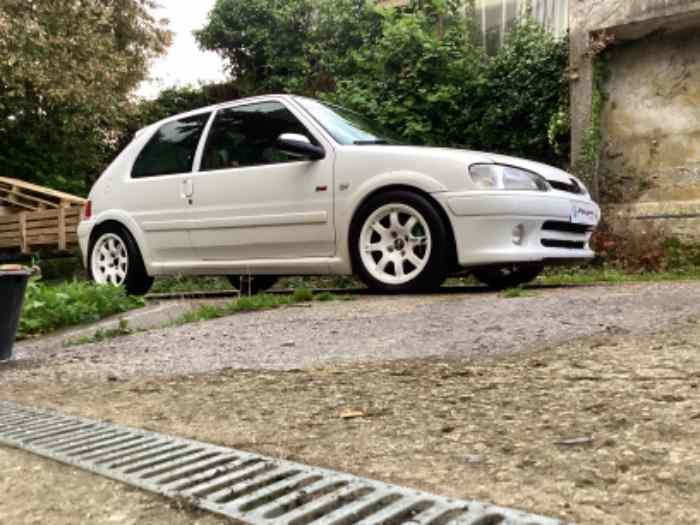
[(395, 244), (110, 260)]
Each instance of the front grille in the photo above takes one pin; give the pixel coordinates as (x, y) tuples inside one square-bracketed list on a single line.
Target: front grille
[(567, 227), (572, 187), (568, 245)]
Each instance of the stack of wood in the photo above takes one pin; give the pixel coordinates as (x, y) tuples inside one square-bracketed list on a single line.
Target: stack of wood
[(33, 217)]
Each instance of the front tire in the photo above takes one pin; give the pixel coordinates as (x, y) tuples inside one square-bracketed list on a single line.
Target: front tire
[(116, 260), (399, 243), (510, 276), (252, 284)]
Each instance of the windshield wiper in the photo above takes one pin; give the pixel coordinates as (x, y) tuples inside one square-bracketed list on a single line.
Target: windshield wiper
[(371, 142)]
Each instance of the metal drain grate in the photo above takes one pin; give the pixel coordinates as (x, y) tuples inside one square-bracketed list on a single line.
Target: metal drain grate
[(243, 486)]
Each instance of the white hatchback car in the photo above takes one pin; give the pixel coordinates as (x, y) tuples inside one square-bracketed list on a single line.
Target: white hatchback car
[(286, 185)]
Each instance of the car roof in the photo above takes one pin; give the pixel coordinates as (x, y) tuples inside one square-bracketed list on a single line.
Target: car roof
[(214, 107)]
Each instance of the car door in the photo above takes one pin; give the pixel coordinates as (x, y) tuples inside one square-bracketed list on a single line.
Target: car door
[(253, 201), (160, 188)]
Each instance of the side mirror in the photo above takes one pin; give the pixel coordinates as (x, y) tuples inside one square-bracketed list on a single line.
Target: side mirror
[(300, 146)]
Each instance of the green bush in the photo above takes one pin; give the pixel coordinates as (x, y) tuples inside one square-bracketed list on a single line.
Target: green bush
[(443, 91), (50, 307), (416, 70)]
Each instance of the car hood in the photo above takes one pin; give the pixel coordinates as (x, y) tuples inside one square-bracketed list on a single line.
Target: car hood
[(469, 157), (476, 157)]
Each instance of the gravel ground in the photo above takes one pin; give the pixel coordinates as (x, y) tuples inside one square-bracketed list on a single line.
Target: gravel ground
[(601, 429), (463, 324)]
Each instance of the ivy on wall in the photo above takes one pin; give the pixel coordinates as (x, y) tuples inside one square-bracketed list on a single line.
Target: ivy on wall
[(588, 164)]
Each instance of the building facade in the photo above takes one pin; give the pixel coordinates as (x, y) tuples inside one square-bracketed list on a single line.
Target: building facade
[(494, 18)]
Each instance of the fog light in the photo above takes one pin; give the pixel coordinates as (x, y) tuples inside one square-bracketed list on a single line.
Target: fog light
[(518, 234)]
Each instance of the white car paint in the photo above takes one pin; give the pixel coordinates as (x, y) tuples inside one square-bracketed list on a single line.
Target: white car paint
[(273, 219)]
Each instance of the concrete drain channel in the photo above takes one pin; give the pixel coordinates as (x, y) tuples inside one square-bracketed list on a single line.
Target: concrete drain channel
[(239, 485)]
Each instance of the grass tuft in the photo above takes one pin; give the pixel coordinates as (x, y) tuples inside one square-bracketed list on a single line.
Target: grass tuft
[(256, 302), (515, 293), (302, 295), (325, 297), (102, 335), (604, 274)]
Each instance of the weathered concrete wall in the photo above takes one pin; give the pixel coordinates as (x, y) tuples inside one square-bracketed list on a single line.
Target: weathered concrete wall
[(625, 20), (651, 120)]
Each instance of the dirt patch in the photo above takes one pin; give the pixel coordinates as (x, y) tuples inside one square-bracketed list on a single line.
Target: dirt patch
[(599, 430), (37, 491)]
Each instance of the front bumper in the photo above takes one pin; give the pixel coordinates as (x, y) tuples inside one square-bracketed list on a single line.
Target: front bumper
[(516, 227)]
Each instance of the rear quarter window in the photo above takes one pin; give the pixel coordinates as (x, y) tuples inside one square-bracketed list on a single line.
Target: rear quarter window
[(172, 149)]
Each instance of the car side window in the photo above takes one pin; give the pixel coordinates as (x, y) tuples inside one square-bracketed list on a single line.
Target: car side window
[(172, 149), (247, 136)]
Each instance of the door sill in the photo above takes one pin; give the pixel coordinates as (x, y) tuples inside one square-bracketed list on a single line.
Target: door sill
[(307, 265)]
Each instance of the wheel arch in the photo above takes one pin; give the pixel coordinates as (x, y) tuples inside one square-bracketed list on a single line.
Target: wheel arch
[(118, 222), (453, 263)]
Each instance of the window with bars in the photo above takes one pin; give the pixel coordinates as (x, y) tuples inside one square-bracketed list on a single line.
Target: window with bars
[(494, 18)]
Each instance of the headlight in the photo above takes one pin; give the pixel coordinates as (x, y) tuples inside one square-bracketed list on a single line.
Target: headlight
[(500, 177)]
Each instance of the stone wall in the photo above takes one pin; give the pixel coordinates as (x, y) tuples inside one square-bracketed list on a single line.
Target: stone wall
[(651, 120), (650, 155), (624, 20)]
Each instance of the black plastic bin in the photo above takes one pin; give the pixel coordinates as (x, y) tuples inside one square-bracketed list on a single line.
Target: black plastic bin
[(13, 283)]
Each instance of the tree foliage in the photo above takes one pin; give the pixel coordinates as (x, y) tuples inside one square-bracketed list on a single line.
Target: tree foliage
[(295, 46), (66, 70), (416, 70)]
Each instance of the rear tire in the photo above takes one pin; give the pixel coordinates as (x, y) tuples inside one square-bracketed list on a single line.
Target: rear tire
[(510, 276), (115, 259), (252, 284), (399, 243)]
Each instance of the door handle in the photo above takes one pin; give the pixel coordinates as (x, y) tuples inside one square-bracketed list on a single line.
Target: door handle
[(187, 189)]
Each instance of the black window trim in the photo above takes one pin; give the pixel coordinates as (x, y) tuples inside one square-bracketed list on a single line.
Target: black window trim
[(210, 111)]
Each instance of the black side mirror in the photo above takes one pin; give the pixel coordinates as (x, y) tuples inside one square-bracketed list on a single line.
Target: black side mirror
[(299, 146)]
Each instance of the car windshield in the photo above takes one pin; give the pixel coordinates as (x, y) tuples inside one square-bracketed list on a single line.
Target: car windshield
[(346, 126)]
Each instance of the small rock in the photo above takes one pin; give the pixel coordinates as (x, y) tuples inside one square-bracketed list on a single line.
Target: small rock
[(112, 378), (577, 441), (352, 414)]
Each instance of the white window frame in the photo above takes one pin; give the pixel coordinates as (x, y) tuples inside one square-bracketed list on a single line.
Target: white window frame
[(552, 14)]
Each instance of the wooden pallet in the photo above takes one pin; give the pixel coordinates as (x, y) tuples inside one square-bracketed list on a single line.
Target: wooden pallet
[(37, 218), (51, 229), (22, 195)]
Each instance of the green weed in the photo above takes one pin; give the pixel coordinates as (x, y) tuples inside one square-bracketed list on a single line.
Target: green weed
[(515, 293), (255, 303), (48, 308), (325, 297), (102, 335), (302, 295), (601, 275)]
